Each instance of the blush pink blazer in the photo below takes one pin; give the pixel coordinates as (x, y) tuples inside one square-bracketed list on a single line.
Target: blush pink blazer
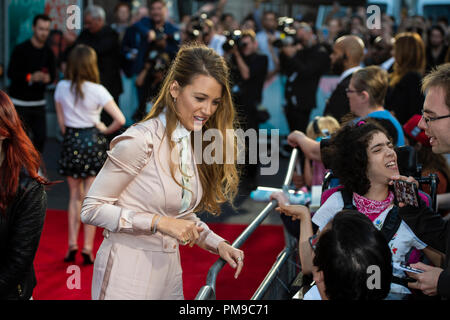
[(135, 184)]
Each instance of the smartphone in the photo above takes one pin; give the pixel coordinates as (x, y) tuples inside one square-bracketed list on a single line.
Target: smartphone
[(407, 268), (406, 192)]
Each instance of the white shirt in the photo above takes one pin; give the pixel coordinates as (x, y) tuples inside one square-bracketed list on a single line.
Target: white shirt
[(388, 63), (348, 72), (179, 132), (182, 137), (313, 294), (217, 42), (86, 112), (401, 243)]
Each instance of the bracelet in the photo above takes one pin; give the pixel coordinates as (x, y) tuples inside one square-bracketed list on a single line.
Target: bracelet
[(155, 224)]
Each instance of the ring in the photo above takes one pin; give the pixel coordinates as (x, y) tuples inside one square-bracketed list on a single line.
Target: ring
[(185, 242), (239, 259)]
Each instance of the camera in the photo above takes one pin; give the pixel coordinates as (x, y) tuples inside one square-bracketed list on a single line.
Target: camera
[(197, 24), (233, 39), (159, 61), (288, 35)]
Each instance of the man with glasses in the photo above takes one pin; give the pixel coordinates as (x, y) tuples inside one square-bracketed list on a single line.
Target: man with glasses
[(429, 226)]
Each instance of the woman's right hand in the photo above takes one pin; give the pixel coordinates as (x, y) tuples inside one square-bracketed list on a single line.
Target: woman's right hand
[(296, 212), (185, 231), (293, 138), (281, 198), (101, 127)]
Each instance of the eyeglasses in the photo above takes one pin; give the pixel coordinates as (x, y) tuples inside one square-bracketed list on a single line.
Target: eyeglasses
[(348, 90), (429, 119), (313, 241)]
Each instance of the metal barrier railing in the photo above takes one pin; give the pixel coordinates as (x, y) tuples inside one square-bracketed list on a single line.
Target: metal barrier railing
[(275, 285), (208, 291)]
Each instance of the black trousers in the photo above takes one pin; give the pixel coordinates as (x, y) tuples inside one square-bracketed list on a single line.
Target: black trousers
[(297, 118), (35, 124)]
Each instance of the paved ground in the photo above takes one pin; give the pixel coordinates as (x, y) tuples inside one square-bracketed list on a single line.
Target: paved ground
[(58, 194)]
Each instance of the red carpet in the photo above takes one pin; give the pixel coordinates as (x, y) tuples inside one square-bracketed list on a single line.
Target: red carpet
[(261, 250)]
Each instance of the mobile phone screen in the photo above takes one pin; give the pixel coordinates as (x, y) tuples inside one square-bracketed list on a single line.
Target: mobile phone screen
[(406, 192)]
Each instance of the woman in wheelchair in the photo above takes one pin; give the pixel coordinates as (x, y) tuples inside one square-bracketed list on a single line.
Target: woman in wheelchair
[(362, 156)]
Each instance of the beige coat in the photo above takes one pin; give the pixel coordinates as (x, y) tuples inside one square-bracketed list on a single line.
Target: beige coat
[(134, 185)]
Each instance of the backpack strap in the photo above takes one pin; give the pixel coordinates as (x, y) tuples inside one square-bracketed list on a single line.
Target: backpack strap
[(327, 193), (391, 224), (348, 199)]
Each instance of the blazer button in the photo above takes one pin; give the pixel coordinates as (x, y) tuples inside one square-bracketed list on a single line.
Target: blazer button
[(174, 246), (165, 246)]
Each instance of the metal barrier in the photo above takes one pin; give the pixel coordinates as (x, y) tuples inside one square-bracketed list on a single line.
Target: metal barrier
[(208, 291), (276, 284)]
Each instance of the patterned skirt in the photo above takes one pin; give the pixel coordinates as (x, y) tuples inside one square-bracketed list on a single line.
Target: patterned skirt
[(83, 152)]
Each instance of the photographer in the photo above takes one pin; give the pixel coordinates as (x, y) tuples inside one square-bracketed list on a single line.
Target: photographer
[(248, 70), (154, 28), (304, 60), (158, 32), (265, 39), (150, 78), (201, 29)]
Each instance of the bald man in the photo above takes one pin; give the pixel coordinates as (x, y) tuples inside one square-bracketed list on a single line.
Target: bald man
[(346, 58)]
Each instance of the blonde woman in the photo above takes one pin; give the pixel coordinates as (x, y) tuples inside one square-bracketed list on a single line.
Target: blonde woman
[(317, 129), (404, 96), (79, 100), (151, 186)]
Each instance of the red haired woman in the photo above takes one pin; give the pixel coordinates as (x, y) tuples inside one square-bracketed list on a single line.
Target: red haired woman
[(23, 202)]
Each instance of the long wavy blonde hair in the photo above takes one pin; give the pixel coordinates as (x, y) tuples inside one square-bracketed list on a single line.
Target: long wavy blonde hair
[(219, 181)]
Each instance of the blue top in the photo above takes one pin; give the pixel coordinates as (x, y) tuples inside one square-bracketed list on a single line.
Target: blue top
[(137, 38), (388, 116)]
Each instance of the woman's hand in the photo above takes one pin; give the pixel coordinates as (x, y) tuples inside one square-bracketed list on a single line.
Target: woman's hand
[(101, 127), (427, 281), (233, 256), (399, 177), (281, 198), (293, 138), (403, 178), (185, 231), (297, 212)]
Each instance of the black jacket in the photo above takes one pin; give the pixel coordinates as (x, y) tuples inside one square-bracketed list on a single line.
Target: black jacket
[(406, 98), (20, 231), (303, 72), (26, 59), (248, 93), (435, 232), (106, 45), (338, 105)]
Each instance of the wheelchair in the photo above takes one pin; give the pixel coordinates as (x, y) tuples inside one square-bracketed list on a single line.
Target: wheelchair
[(408, 166)]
